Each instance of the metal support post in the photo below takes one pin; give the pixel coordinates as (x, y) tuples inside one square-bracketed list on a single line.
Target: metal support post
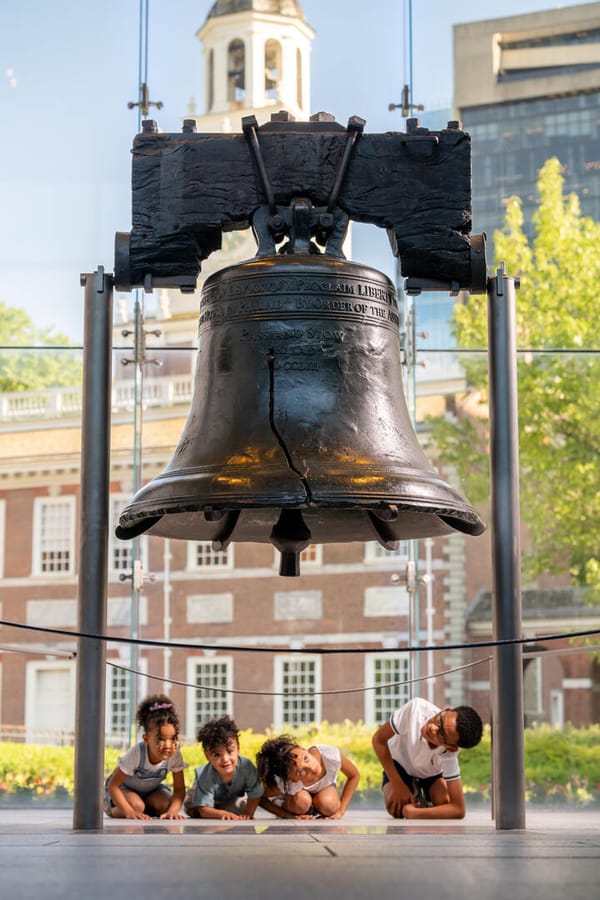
[(507, 704), (93, 550)]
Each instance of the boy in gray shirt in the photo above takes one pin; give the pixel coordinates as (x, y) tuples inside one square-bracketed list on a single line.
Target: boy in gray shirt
[(227, 786)]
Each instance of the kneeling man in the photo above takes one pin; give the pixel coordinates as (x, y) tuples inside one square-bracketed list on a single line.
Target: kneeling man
[(418, 749)]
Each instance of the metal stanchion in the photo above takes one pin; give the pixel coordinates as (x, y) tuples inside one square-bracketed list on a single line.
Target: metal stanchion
[(93, 555), (507, 718)]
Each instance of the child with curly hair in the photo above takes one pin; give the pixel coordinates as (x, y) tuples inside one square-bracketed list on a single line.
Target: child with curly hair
[(135, 789), (298, 781), (227, 786)]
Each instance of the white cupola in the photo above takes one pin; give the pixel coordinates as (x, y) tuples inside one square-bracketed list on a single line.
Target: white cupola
[(257, 60)]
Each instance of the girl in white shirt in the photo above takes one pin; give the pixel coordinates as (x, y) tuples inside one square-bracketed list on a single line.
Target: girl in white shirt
[(300, 783)]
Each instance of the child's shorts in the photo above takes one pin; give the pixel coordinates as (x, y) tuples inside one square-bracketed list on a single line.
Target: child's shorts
[(108, 806), (418, 786)]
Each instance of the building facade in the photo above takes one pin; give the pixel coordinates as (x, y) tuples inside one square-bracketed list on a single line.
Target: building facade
[(527, 88), (230, 635)]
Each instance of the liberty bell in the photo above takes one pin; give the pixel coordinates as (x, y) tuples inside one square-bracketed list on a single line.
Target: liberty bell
[(298, 431)]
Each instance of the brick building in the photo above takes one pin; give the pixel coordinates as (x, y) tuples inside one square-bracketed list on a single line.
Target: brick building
[(227, 608)]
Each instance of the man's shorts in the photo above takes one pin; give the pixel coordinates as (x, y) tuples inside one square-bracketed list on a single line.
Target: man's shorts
[(419, 787)]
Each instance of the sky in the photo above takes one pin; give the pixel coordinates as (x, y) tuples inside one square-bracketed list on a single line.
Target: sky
[(68, 68)]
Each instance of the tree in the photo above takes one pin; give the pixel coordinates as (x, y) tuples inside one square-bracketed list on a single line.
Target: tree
[(558, 380), (26, 361)]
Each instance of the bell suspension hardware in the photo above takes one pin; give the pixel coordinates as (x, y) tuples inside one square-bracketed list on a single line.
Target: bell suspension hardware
[(298, 431)]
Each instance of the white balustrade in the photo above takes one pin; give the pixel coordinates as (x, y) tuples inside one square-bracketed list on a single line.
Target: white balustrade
[(61, 402)]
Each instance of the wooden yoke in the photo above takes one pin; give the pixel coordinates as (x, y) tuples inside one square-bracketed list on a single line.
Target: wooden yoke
[(187, 189)]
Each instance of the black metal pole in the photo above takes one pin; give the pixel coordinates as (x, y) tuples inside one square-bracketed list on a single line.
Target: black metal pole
[(507, 702), (93, 550)]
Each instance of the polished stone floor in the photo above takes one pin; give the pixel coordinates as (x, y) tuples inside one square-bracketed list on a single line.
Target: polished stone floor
[(366, 854)]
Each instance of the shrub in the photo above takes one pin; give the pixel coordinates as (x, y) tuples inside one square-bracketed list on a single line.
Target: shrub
[(560, 766)]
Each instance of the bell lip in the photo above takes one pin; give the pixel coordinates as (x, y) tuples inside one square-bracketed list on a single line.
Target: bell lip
[(464, 520)]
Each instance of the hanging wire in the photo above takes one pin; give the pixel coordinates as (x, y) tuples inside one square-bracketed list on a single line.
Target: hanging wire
[(292, 694)]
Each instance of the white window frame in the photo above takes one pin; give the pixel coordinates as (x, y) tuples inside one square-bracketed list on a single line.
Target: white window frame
[(403, 692), (31, 670), (310, 559), (375, 554), (39, 504), (112, 673), (141, 688), (532, 689), (279, 664), (218, 560), (225, 708), (117, 504)]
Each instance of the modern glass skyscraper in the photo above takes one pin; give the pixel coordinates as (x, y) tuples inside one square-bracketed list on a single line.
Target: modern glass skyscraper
[(527, 88)]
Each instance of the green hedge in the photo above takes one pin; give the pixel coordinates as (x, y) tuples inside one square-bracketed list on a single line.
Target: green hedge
[(560, 766)]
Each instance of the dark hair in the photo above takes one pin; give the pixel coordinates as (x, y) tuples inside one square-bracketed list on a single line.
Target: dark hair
[(158, 709), (217, 733), (274, 759), (468, 726)]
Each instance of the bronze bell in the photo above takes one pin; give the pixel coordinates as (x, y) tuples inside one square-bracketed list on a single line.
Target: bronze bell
[(298, 431)]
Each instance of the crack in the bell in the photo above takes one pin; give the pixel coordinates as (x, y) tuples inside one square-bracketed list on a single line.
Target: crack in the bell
[(288, 456)]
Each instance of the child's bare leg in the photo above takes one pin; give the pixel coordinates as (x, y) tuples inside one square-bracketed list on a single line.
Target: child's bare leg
[(327, 801), (135, 801), (438, 792), (389, 801), (159, 800), (298, 804)]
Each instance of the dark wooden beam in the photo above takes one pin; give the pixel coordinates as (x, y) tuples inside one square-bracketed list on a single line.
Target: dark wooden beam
[(187, 189)]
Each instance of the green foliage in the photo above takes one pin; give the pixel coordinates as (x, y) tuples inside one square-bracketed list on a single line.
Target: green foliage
[(560, 766), (33, 369), (559, 415)]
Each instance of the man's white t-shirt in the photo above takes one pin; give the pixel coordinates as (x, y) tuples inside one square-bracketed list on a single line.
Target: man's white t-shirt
[(412, 751)]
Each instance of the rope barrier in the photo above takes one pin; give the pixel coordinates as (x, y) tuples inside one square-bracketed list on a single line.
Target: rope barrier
[(317, 651)]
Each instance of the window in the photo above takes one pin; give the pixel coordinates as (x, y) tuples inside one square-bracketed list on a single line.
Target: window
[(211, 81), (120, 680), (120, 553), (202, 556), (236, 78), (272, 69), (374, 552), (209, 699), (310, 558), (299, 92), (50, 702), (299, 678), (54, 536), (382, 673), (117, 706), (532, 691)]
